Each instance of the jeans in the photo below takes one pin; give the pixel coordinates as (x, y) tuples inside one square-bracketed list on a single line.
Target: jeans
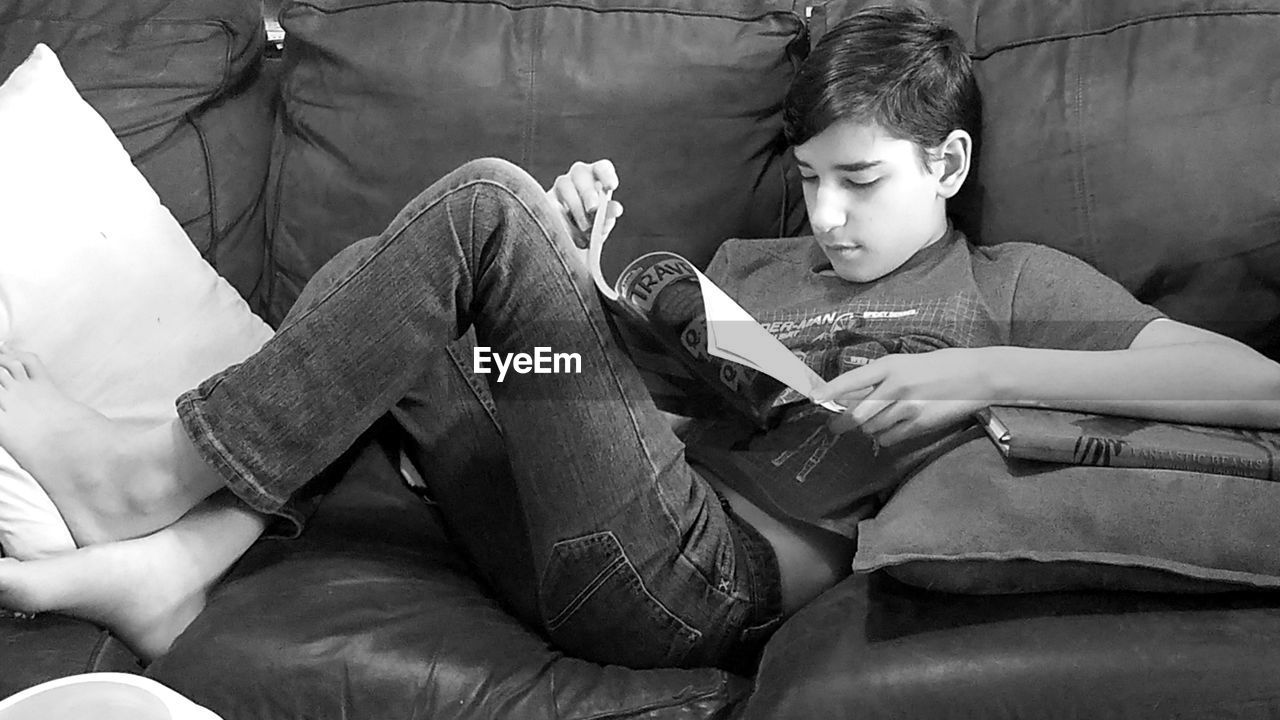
[(568, 490)]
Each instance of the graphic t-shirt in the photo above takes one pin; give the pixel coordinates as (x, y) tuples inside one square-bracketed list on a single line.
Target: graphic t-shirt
[(949, 294)]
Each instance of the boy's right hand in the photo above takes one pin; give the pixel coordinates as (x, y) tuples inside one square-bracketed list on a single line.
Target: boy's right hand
[(578, 193)]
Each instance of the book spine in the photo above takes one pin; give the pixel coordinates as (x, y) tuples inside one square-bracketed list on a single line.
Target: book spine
[(1243, 459), (642, 281)]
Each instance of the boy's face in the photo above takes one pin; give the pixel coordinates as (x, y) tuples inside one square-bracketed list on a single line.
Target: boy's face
[(871, 202)]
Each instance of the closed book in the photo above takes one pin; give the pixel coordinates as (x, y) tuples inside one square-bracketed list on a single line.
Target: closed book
[(1110, 440)]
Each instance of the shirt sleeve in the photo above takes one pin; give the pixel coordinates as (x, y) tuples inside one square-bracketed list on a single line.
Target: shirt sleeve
[(718, 269), (1062, 302)]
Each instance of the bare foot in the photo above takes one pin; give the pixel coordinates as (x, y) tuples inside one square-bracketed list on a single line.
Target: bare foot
[(109, 480), (146, 591)]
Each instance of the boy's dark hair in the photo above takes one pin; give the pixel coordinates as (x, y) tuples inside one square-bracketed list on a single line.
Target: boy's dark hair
[(899, 67)]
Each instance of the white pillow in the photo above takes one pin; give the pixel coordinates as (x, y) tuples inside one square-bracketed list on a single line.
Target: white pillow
[(102, 695), (98, 279)]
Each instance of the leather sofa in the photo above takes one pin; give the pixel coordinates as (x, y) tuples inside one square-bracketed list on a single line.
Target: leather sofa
[(1142, 136)]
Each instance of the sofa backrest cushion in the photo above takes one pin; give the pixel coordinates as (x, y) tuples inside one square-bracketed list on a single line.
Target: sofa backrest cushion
[(178, 82), (1139, 135), (380, 98)]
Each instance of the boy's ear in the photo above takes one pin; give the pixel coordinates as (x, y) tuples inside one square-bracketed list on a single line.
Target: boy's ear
[(955, 154)]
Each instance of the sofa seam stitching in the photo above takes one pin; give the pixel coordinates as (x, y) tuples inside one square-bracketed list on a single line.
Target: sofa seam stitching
[(214, 231), (569, 6), (272, 222), (95, 655), (1058, 37)]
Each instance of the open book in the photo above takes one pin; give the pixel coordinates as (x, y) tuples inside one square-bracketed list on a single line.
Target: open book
[(700, 353)]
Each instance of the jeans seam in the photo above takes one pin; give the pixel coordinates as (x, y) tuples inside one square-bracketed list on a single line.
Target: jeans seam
[(711, 585), (258, 497), (587, 591), (474, 259), (766, 588), (465, 270), (474, 384)]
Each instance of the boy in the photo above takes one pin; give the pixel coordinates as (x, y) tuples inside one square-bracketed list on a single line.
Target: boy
[(913, 328)]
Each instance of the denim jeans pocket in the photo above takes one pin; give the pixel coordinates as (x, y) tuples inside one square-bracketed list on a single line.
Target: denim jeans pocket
[(595, 606)]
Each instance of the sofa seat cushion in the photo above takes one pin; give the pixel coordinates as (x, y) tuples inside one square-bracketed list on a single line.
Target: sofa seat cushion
[(371, 613), (1140, 136), (381, 98), (34, 649), (874, 648), (179, 83)]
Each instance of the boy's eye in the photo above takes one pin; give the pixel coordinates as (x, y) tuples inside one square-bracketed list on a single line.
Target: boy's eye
[(847, 182), (856, 185)]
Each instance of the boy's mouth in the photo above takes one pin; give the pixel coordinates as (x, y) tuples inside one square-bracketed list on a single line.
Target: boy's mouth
[(831, 243), (841, 248)]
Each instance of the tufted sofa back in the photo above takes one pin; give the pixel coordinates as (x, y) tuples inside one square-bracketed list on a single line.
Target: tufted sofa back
[(380, 97), (179, 82)]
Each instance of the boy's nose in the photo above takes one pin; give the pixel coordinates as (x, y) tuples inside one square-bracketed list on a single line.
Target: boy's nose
[(825, 217), (826, 212)]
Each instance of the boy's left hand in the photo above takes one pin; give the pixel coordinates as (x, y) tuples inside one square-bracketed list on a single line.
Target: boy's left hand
[(897, 397)]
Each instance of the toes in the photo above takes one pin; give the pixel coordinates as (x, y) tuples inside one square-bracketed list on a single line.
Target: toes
[(31, 363), (11, 369), (19, 364)]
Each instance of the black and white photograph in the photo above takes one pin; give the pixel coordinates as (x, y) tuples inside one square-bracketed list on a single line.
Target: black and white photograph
[(639, 359)]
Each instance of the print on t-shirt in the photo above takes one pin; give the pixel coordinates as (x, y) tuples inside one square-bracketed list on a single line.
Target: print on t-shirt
[(834, 341), (802, 465)]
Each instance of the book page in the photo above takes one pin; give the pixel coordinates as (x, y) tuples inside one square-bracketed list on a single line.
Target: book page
[(734, 335), (596, 245)]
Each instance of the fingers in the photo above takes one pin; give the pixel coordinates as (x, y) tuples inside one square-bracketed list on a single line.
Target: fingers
[(565, 193), (614, 211), (589, 188), (858, 414), (592, 179), (891, 418), (887, 421), (852, 386), (902, 418), (879, 413), (841, 424), (579, 192), (897, 433)]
